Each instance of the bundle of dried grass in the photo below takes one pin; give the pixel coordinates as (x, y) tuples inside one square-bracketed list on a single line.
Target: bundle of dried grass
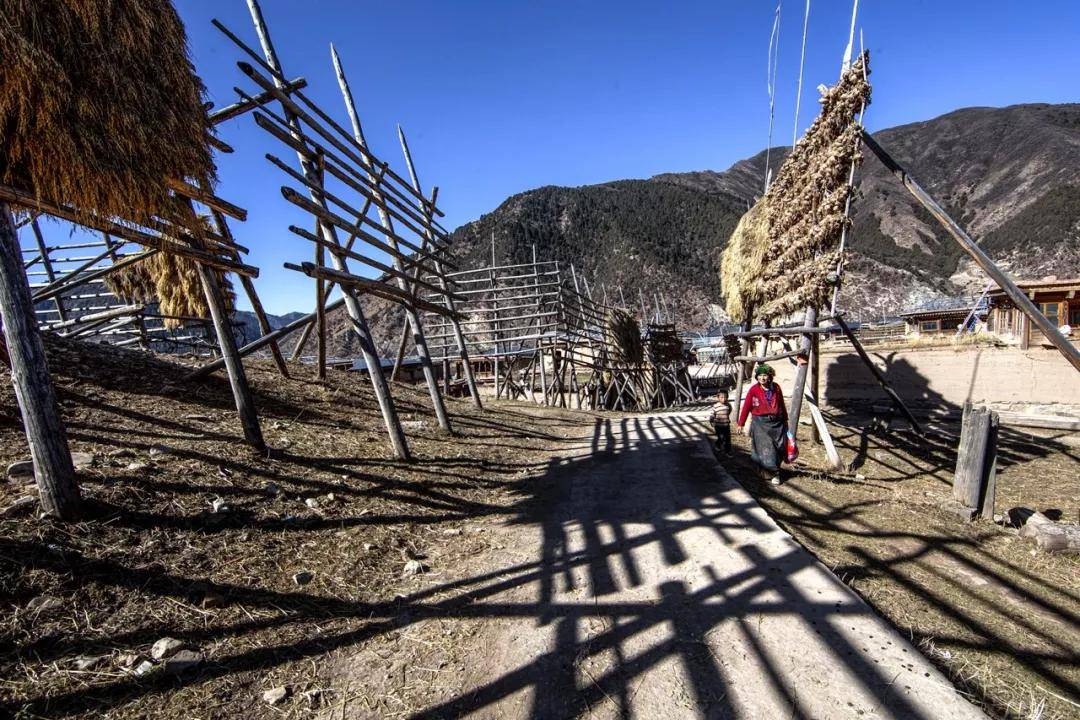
[(170, 280), (99, 104), (622, 335), (802, 213)]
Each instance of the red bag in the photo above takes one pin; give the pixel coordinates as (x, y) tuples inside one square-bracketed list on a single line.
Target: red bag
[(792, 448)]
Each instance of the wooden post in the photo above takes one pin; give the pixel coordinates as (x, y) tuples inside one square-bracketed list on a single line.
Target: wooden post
[(459, 337), (47, 262), (45, 432), (410, 312), (352, 303), (800, 374), (815, 382), (222, 229), (1070, 351), (974, 482), (215, 302), (741, 367)]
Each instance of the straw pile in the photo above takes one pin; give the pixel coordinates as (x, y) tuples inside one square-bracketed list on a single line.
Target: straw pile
[(780, 255), (170, 280), (622, 335), (99, 103)]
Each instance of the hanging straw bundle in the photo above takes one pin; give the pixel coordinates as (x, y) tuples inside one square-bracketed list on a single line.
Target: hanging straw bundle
[(622, 335), (781, 253), (99, 105), (170, 280)]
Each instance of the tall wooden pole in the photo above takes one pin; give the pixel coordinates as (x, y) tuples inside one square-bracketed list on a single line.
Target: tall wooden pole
[(45, 432), (455, 324), (234, 367), (352, 303), (410, 312), (1026, 306), (740, 367), (806, 347)]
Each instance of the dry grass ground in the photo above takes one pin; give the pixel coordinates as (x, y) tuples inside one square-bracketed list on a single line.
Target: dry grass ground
[(1000, 618), (152, 559)]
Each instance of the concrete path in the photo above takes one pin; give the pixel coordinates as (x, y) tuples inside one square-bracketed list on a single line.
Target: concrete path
[(646, 583)]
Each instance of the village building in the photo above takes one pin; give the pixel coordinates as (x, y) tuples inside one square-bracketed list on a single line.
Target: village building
[(939, 317), (1058, 300)]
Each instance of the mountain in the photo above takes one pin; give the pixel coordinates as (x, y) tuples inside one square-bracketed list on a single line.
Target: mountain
[(1010, 176)]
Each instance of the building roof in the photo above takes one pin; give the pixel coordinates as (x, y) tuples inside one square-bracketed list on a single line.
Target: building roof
[(1051, 284), (941, 307)]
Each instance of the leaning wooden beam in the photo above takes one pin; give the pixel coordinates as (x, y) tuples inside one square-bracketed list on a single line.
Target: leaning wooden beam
[(346, 279), (91, 317), (58, 290), (878, 376), (352, 304), (782, 331), (44, 428), (253, 297), (242, 395), (65, 212), (47, 262), (207, 198), (265, 340), (1016, 295), (767, 358), (236, 109)]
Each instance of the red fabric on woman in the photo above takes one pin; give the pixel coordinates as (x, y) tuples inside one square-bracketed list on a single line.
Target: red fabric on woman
[(760, 402)]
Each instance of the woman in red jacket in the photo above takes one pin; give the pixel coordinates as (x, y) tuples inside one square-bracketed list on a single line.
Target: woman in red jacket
[(768, 428)]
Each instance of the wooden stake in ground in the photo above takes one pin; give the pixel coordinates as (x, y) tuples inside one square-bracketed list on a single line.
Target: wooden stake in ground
[(352, 303), (45, 432), (806, 347)]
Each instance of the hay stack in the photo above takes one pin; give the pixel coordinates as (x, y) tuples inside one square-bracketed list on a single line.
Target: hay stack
[(99, 104), (622, 335), (784, 269)]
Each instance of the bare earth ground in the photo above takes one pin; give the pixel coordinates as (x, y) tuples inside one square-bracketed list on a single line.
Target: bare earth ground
[(575, 546), (1000, 618)]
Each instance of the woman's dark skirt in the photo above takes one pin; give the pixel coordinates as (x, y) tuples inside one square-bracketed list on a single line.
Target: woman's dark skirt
[(768, 435)]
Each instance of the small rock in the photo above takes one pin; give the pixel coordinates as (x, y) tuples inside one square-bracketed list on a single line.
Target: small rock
[(272, 487), (143, 668), (120, 453), (303, 577), (218, 506), (82, 460), (331, 497), (413, 424), (312, 503), (368, 547), (158, 450), (413, 567), (860, 477), (88, 662), (127, 660), (138, 467), (166, 647), (276, 695), (452, 532), (21, 470), (182, 662), (19, 507)]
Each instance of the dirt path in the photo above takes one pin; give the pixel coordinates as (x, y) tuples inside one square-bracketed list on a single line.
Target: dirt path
[(642, 582)]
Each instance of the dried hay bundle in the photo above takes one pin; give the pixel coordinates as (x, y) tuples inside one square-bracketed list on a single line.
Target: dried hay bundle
[(741, 262), (622, 335), (99, 103), (782, 251), (170, 280)]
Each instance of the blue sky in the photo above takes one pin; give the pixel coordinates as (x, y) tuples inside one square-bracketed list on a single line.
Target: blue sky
[(501, 96)]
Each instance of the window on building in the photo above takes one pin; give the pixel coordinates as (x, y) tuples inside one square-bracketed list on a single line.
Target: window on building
[(928, 326), (950, 324), (1074, 315), (1050, 310)]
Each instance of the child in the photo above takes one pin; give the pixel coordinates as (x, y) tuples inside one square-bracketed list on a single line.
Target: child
[(721, 421)]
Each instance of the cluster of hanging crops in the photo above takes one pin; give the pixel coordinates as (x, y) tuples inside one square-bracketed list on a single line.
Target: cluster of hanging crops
[(99, 105), (780, 255), (622, 336), (663, 344)]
